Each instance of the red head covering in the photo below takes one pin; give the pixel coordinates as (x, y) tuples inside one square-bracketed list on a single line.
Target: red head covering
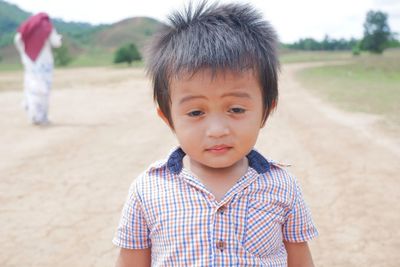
[(34, 32)]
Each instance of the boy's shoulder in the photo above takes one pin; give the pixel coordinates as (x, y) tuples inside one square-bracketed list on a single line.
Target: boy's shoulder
[(157, 168), (152, 174), (280, 167), (277, 182), (279, 173), (149, 179)]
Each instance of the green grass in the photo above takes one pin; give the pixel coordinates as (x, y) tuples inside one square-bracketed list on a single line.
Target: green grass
[(369, 83), (293, 56), (93, 59), (10, 67)]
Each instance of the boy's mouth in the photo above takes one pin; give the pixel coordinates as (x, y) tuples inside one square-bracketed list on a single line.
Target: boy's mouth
[(218, 148)]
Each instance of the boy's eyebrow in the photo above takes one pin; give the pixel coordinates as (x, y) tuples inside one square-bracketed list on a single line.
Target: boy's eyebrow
[(235, 94), (190, 97)]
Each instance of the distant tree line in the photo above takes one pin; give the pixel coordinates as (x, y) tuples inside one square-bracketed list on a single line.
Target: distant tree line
[(377, 37), (328, 44)]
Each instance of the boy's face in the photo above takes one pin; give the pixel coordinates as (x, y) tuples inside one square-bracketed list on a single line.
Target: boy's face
[(216, 119)]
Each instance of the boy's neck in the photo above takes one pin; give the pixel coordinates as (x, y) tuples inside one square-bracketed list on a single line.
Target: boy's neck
[(217, 180), (202, 171)]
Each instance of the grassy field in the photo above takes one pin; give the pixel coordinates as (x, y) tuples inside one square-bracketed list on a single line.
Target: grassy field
[(368, 83), (92, 59), (10, 67), (100, 59), (287, 56)]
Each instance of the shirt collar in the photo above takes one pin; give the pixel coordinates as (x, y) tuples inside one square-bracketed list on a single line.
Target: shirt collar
[(256, 161)]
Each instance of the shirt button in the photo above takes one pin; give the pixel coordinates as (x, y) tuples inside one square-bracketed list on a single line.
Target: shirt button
[(221, 245), (221, 210)]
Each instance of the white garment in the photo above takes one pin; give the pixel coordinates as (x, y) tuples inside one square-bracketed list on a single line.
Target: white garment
[(38, 77)]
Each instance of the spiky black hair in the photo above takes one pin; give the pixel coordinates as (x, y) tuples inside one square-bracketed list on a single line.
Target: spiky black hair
[(231, 37)]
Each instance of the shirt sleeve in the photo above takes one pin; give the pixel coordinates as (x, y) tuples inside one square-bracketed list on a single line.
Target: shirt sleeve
[(299, 226), (132, 232)]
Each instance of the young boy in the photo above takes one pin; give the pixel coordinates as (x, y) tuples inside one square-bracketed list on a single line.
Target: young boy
[(215, 201)]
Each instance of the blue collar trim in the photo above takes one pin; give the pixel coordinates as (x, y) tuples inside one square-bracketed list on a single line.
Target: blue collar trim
[(256, 161)]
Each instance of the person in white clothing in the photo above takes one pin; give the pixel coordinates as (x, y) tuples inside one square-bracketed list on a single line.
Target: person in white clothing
[(34, 41)]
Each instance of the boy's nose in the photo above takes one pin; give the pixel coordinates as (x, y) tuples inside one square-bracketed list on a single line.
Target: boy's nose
[(217, 127)]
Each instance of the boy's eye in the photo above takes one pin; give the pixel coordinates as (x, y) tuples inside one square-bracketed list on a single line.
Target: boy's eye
[(237, 110), (195, 113)]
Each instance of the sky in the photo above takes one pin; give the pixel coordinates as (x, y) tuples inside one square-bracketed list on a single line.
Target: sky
[(292, 19)]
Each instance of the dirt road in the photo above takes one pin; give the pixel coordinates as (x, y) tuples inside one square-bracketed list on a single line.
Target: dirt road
[(62, 187)]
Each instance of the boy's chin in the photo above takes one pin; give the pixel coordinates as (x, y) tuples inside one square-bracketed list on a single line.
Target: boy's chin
[(223, 165)]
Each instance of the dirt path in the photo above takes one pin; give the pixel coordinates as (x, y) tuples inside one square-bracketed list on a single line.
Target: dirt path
[(62, 187)]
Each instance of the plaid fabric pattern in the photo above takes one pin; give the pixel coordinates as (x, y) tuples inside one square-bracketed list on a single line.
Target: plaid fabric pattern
[(169, 210)]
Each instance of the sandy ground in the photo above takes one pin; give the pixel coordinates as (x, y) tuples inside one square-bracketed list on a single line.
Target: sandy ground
[(62, 187)]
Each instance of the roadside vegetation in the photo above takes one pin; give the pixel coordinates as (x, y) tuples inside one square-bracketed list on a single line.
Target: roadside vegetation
[(368, 83), (297, 56)]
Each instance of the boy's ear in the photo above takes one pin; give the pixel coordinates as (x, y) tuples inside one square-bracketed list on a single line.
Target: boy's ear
[(273, 106), (163, 117)]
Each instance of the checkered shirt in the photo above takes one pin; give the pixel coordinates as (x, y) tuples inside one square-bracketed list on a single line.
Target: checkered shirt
[(170, 211)]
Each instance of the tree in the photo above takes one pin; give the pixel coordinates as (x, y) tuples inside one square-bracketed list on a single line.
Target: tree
[(327, 44), (127, 53), (376, 32), (62, 56)]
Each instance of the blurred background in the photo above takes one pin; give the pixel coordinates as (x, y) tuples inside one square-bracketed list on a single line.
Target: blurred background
[(365, 33), (62, 186)]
